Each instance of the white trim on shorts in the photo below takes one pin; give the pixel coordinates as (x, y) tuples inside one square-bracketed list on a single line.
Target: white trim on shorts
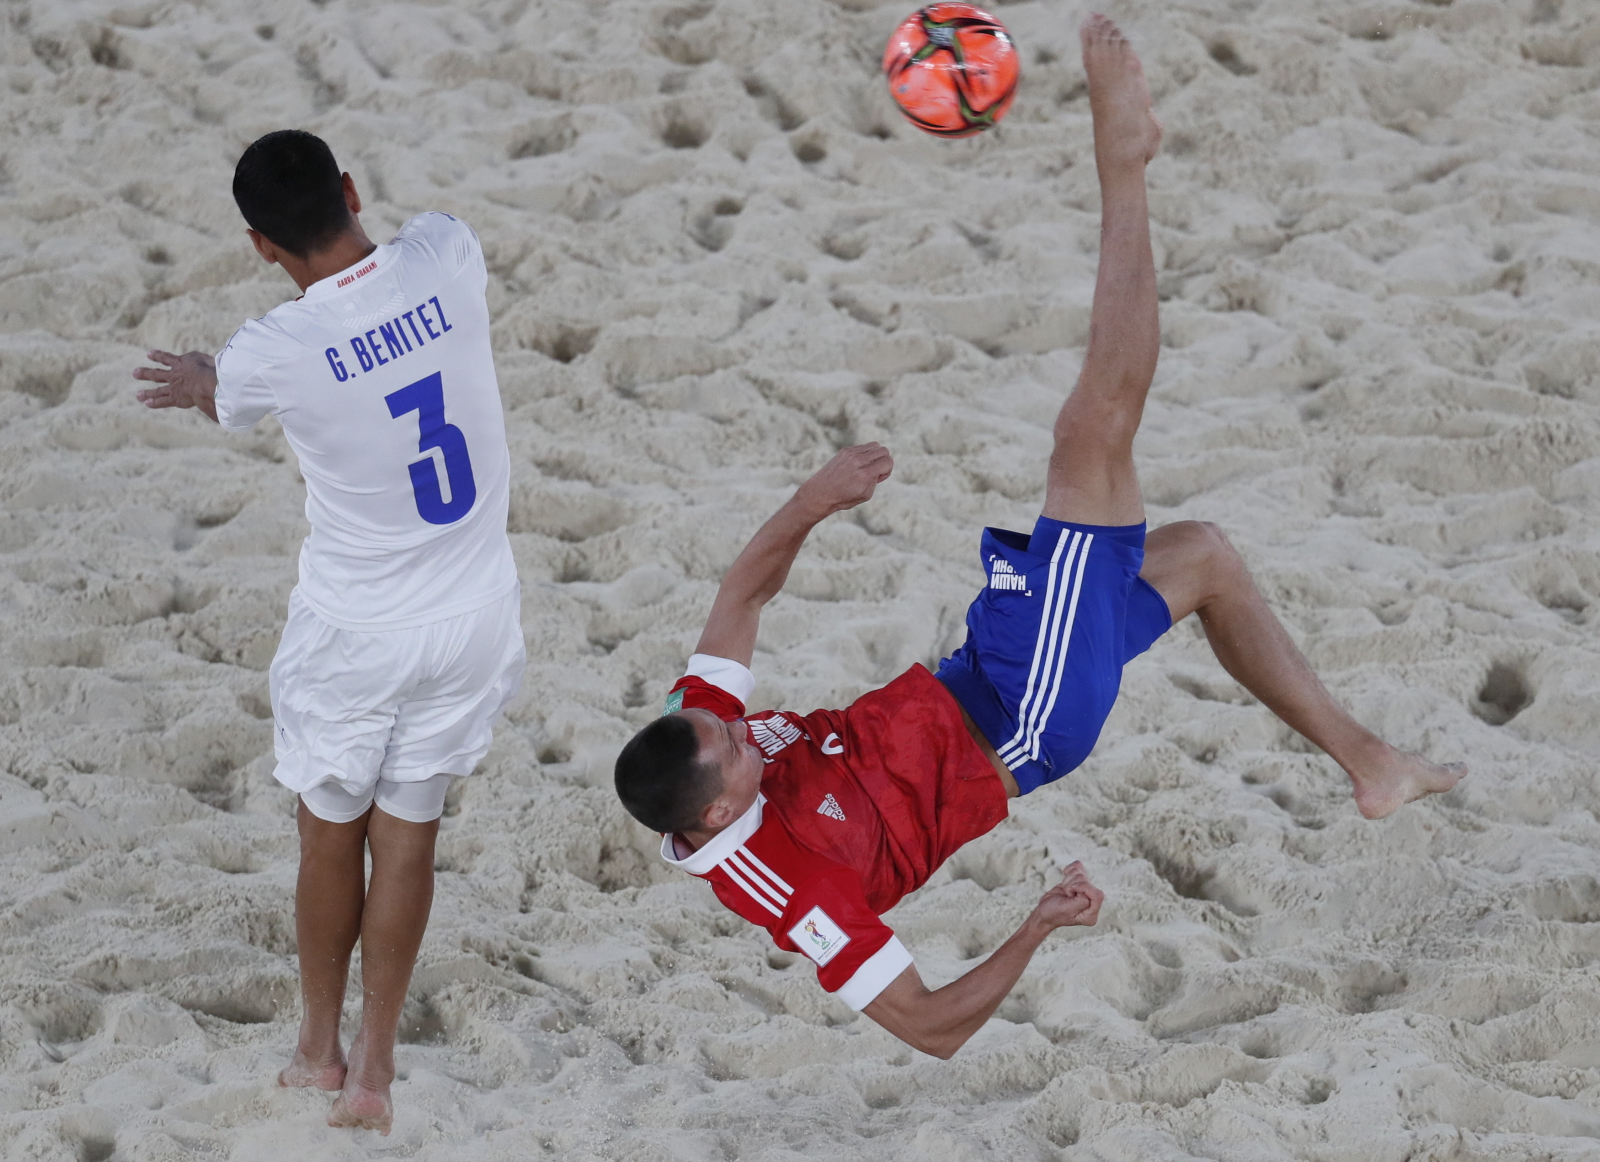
[(415, 802)]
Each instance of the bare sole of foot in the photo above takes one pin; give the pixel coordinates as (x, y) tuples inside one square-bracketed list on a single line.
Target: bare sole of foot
[(362, 1109), (1126, 128), (1407, 778), (304, 1074)]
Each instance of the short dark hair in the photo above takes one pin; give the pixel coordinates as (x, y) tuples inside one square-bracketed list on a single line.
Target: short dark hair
[(660, 778), (289, 188)]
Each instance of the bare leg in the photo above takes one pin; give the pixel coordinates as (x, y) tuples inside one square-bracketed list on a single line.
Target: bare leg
[(327, 919), (1193, 566), (392, 924), (1092, 478)]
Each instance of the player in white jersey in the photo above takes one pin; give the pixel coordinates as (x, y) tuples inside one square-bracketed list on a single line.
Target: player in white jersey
[(403, 642)]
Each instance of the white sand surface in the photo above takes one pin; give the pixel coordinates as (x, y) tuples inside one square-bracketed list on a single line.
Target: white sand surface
[(716, 255)]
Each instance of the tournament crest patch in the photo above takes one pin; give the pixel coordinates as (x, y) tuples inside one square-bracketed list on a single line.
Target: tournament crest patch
[(818, 936)]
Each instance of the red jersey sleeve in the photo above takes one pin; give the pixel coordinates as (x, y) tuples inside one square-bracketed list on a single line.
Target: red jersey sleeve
[(720, 685), (806, 902), (828, 920), (696, 693)]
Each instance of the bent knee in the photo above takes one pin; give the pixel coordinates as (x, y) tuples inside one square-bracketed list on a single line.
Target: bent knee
[(1200, 541), (1092, 423), (1190, 562)]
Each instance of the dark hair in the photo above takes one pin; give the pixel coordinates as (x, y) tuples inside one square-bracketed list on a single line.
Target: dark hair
[(660, 778), (289, 188)]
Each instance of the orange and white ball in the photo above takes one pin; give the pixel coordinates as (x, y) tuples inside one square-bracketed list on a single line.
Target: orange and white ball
[(952, 69)]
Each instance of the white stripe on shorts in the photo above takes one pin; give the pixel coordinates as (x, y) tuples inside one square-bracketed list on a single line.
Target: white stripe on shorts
[(1039, 645), (1050, 649), (1043, 719)]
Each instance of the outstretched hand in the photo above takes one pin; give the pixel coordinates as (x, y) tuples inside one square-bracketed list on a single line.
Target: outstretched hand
[(1073, 901), (186, 381), (847, 480)]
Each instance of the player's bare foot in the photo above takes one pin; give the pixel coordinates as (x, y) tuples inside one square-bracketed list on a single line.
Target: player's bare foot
[(365, 1102), (1125, 128), (363, 1109), (315, 1073), (1399, 778)]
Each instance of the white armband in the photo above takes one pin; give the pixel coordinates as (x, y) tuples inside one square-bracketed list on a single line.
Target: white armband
[(875, 975), (725, 674)]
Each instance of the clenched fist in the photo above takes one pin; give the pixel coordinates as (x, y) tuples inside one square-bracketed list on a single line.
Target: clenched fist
[(1073, 901), (847, 480)]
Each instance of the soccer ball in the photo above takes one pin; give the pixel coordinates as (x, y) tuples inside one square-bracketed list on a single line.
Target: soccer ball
[(952, 69)]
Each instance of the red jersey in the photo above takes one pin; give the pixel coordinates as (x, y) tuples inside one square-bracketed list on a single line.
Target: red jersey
[(857, 808)]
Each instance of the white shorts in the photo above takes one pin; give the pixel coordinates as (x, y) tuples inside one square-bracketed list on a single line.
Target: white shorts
[(360, 712)]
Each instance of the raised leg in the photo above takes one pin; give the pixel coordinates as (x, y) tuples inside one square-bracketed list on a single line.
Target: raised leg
[(392, 923), (1194, 567), (1091, 477), (327, 919)]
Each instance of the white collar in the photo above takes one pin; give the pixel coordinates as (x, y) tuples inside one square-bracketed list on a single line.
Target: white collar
[(723, 844), (351, 275)]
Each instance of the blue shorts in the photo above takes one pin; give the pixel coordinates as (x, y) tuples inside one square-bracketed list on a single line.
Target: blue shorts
[(1063, 612)]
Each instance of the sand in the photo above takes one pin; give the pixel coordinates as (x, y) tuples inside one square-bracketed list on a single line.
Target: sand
[(716, 255)]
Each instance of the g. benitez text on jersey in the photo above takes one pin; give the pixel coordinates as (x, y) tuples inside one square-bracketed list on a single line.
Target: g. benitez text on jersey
[(389, 341)]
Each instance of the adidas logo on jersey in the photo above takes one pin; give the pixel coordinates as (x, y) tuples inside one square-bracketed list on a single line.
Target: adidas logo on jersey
[(830, 807), (773, 734), (1003, 576)]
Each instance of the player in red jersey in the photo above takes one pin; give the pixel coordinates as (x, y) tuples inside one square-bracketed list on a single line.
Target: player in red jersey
[(814, 825)]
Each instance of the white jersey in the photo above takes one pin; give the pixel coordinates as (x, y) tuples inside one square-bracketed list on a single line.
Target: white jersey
[(383, 380)]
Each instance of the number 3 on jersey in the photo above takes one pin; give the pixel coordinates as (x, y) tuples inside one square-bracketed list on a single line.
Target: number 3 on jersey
[(426, 398)]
